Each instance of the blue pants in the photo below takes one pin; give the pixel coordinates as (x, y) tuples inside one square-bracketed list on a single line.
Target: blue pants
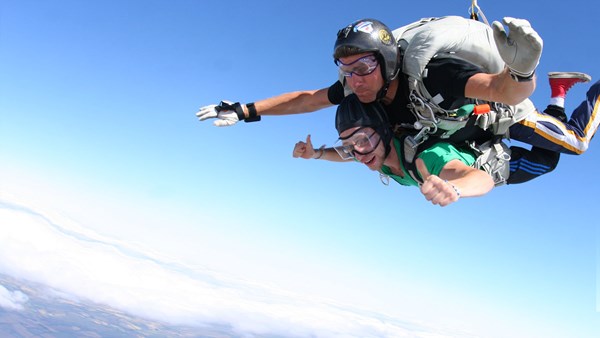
[(526, 165), (549, 137), (573, 137)]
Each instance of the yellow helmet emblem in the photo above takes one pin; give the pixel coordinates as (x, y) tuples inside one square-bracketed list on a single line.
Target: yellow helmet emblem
[(385, 37)]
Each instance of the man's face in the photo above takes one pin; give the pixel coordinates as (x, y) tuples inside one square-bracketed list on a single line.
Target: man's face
[(365, 145), (364, 86)]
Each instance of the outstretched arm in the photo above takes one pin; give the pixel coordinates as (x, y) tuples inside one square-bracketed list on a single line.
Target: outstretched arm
[(285, 104), (455, 180), (305, 150), (294, 103)]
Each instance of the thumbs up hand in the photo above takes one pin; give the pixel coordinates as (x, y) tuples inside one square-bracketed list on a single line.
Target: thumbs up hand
[(436, 190), (304, 149)]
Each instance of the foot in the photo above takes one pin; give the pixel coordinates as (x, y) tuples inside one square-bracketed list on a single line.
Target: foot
[(561, 82)]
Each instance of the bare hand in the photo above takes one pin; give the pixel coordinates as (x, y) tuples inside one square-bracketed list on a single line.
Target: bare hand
[(435, 190), (304, 149)]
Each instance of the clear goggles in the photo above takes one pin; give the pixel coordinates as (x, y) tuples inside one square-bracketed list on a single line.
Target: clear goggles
[(359, 142), (361, 67)]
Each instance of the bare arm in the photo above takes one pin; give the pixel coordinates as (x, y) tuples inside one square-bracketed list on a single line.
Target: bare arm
[(470, 181), (498, 88), (305, 150), (293, 103), (455, 180), (229, 113)]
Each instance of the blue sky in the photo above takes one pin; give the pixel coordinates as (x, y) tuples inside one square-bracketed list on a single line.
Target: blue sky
[(97, 125)]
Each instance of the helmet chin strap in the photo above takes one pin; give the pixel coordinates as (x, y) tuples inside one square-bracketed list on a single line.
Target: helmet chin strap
[(386, 137), (380, 96), (386, 85), (388, 148), (383, 91)]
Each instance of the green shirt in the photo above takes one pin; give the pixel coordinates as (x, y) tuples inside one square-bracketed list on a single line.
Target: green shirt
[(435, 159)]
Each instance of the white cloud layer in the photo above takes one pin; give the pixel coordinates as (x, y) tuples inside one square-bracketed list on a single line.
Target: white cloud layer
[(51, 249), (12, 300)]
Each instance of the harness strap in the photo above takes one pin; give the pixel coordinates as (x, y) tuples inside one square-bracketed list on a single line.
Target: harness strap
[(409, 152), (411, 148), (493, 157)]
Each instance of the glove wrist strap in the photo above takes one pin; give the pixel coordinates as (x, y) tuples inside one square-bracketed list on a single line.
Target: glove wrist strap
[(252, 113), (520, 77), (239, 111), (237, 107)]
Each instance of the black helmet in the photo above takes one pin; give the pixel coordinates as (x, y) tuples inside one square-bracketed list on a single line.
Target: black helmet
[(370, 35), (353, 113)]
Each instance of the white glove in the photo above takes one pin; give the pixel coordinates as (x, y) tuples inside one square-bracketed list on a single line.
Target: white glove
[(521, 49), (224, 117)]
